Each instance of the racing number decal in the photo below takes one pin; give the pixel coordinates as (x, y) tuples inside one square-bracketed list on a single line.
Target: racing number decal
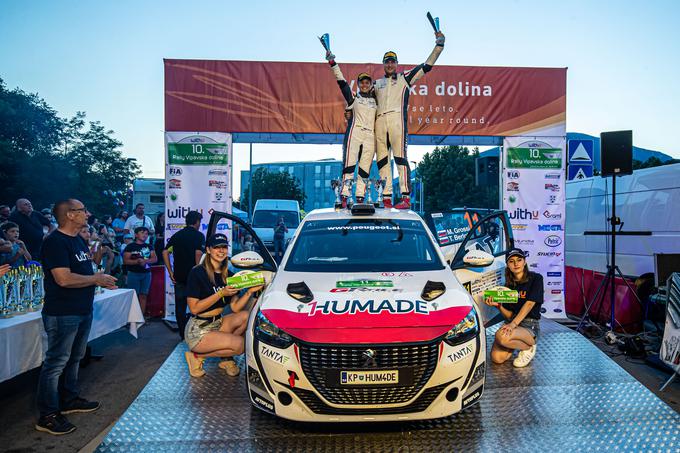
[(472, 219)]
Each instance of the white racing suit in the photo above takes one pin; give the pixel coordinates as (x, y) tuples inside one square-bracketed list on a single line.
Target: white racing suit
[(391, 127), (359, 142)]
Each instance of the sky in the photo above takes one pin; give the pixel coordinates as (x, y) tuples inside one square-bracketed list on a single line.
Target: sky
[(106, 58)]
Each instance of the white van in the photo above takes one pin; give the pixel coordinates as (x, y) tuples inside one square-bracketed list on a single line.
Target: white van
[(647, 200), (267, 214)]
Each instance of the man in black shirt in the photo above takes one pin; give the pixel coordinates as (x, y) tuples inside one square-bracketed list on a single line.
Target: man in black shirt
[(31, 225), (186, 247), (67, 316)]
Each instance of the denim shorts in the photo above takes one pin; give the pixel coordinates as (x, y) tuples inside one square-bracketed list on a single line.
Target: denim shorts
[(534, 326), (139, 281), (196, 329)]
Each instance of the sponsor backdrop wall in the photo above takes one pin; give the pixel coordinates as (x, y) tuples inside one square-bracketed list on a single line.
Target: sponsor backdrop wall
[(533, 181), (197, 178)]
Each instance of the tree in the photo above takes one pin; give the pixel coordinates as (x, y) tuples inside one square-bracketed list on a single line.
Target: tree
[(275, 186), (46, 158), (448, 174)]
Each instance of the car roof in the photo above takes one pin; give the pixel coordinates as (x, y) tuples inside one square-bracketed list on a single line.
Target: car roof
[(380, 213)]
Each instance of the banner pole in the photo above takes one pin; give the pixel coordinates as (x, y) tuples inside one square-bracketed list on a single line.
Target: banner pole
[(250, 185)]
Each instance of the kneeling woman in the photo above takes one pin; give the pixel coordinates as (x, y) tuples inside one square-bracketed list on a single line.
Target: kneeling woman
[(523, 318), (213, 331)]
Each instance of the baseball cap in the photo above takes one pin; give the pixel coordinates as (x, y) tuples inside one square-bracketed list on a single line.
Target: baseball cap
[(363, 76), (514, 252), (389, 55), (217, 240)]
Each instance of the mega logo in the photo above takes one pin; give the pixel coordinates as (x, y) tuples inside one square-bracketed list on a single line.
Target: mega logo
[(373, 307), (175, 171), (552, 187), (549, 215), (180, 212), (513, 174), (549, 227), (524, 214), (553, 241), (512, 187), (554, 274)]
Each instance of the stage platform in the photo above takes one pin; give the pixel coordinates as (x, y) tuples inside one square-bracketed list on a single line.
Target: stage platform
[(571, 398)]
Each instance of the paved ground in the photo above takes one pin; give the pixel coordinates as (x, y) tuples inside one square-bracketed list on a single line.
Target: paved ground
[(127, 367), (115, 381)]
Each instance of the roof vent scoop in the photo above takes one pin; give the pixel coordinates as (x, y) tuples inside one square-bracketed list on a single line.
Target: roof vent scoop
[(300, 291), (432, 290)]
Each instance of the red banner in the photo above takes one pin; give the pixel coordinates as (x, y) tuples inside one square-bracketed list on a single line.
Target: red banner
[(286, 97)]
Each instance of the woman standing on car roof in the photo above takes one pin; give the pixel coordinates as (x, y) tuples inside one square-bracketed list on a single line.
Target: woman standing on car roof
[(522, 318), (210, 332)]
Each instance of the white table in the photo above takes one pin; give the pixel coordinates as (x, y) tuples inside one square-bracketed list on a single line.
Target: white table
[(23, 341)]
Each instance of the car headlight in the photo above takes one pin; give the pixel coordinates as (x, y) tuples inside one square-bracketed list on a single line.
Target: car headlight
[(267, 332), (464, 331)]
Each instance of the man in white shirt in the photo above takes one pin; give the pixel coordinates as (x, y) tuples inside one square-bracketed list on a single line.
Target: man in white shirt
[(139, 219)]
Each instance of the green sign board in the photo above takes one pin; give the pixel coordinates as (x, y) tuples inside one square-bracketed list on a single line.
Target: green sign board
[(534, 158), (364, 284), (246, 280), (502, 296), (197, 154)]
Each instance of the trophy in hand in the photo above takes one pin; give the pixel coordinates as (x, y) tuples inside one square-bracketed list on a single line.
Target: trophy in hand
[(325, 41), (380, 186), (336, 185), (349, 182), (368, 182)]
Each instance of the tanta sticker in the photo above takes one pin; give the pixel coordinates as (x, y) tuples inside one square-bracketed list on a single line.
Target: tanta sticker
[(460, 354), (374, 307), (273, 355)]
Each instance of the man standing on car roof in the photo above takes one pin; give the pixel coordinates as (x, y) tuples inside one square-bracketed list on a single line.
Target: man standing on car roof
[(359, 142), (391, 131)]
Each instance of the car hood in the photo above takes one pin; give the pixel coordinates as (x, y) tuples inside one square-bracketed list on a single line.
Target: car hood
[(366, 307)]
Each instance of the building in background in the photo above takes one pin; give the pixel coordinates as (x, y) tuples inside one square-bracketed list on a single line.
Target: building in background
[(151, 192)]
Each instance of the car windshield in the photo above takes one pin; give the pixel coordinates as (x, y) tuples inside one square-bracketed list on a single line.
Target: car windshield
[(363, 245), (269, 218)]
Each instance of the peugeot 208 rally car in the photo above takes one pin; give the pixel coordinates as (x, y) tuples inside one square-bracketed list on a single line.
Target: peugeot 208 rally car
[(364, 321)]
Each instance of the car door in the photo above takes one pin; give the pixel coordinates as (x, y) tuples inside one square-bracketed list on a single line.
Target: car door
[(463, 230), (219, 222)]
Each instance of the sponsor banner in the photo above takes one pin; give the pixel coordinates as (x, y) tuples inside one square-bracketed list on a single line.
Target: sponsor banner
[(197, 178), (533, 194), (294, 97), (670, 346)]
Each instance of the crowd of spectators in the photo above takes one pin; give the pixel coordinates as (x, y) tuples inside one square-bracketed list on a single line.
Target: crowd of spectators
[(23, 229)]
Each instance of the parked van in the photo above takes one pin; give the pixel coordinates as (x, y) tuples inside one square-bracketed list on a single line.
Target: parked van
[(267, 214), (647, 200)]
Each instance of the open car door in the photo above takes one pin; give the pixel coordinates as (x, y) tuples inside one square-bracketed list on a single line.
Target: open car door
[(218, 219), (462, 231)]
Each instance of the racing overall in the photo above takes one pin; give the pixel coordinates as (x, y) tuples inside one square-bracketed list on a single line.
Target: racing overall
[(391, 128), (359, 142)]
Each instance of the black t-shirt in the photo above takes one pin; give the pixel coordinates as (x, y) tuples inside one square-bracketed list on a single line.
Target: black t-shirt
[(279, 231), (531, 290), (139, 251), (31, 230), (62, 250), (200, 287), (184, 244)]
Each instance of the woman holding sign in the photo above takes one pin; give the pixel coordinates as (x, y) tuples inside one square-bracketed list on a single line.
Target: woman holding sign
[(214, 331), (523, 317)]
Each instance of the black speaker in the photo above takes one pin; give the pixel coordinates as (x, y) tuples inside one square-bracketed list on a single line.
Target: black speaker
[(616, 153)]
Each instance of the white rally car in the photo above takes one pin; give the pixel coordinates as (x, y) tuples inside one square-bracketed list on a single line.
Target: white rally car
[(364, 320)]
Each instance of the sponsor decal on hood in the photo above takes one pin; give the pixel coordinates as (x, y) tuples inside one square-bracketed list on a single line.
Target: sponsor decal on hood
[(364, 284)]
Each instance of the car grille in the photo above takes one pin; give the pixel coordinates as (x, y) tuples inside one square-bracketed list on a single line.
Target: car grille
[(421, 358)]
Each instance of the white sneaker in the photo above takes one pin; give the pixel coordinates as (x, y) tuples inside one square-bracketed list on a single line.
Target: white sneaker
[(524, 357)]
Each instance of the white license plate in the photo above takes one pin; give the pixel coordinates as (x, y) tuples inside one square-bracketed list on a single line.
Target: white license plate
[(378, 377)]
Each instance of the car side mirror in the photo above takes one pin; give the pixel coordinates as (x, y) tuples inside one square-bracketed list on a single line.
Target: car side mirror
[(247, 260), (477, 258)]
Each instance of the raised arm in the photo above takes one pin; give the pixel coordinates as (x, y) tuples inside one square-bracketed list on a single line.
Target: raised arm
[(342, 83), (416, 73)]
